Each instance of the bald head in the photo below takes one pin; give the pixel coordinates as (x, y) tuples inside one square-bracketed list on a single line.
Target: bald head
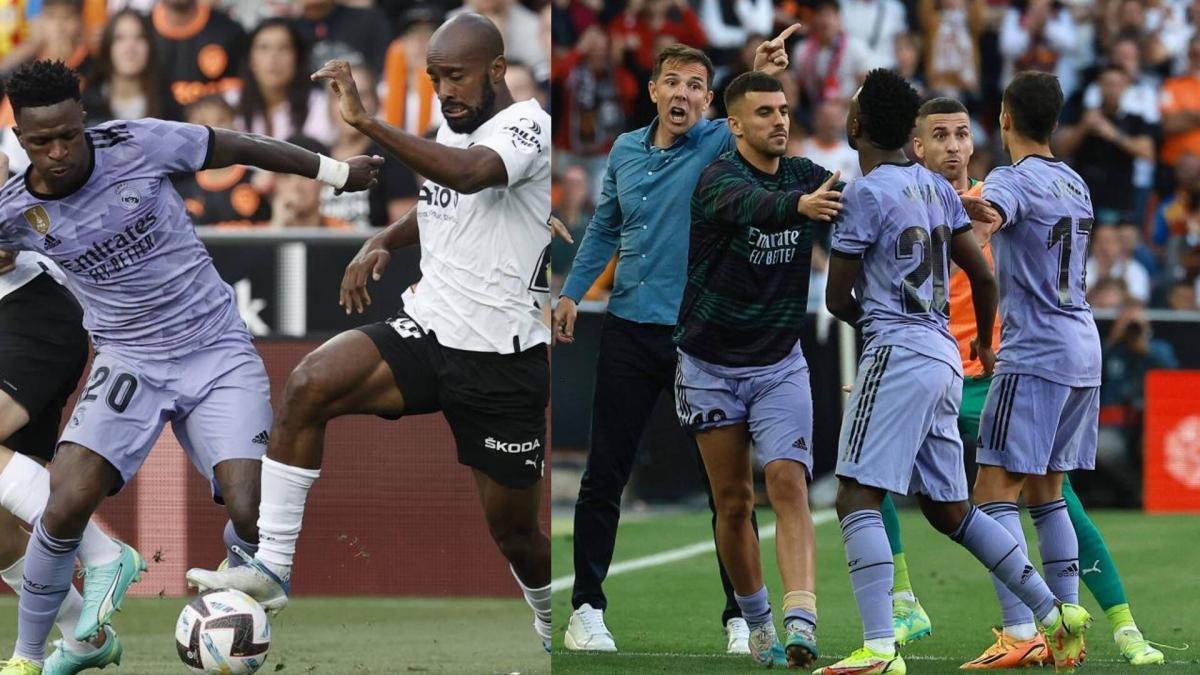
[(467, 38), (466, 63)]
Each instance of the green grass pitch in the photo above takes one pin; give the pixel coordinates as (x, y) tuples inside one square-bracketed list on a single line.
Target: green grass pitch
[(666, 618), (345, 636)]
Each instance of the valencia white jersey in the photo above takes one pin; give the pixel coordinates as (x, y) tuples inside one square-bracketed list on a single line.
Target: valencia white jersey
[(485, 256)]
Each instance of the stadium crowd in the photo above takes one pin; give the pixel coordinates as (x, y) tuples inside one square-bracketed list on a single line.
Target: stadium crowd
[(1130, 70), (245, 65)]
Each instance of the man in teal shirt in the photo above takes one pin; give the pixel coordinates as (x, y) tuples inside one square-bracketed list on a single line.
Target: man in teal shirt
[(643, 217)]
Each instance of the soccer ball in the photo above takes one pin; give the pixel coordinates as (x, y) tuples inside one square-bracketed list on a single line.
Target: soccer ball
[(223, 633)]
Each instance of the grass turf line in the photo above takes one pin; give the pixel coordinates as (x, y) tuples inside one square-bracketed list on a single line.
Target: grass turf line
[(345, 636), (668, 618)]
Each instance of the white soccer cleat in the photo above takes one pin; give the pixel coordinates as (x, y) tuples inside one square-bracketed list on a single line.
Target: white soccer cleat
[(738, 633), (586, 631), (252, 578)]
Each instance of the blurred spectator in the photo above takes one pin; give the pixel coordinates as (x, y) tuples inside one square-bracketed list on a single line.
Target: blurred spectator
[(1182, 297), (359, 35), (250, 13), (1145, 19), (1130, 351), (296, 200), (1132, 246), (201, 49), (951, 35), (638, 32), (126, 82), (743, 63), (1104, 142), (1141, 98), (908, 62), (1179, 210), (827, 145), (596, 95), (574, 208), (14, 25), (876, 24), (728, 24), (828, 64), (277, 98), (521, 84), (520, 27), (410, 102), (1109, 260), (228, 196), (1036, 35), (570, 19), (56, 33), (1181, 110), (397, 190), (1108, 293)]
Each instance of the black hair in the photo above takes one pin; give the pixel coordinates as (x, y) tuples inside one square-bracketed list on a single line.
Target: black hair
[(684, 54), (942, 105), (819, 5), (1034, 101), (887, 108), (41, 83), (298, 90), (748, 82)]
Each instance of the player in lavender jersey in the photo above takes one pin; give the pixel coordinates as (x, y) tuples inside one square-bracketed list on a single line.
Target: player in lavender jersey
[(169, 343), (899, 432), (1042, 411)]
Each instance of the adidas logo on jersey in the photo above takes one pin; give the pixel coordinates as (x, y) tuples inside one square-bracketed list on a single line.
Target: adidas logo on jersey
[(51, 242), (262, 438), (800, 444), (1071, 570), (1028, 572)]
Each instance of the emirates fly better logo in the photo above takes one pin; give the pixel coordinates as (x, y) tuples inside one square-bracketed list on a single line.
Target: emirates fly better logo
[(1182, 452)]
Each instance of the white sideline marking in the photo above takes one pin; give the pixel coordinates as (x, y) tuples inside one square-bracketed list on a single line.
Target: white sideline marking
[(682, 553)]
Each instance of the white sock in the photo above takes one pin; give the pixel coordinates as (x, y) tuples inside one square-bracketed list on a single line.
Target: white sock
[(25, 491), (97, 548), (1021, 631), (881, 645), (68, 613), (281, 512), (539, 600), (1049, 619), (904, 595), (24, 488)]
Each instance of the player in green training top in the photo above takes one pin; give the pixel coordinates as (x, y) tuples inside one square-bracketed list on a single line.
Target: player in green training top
[(742, 377)]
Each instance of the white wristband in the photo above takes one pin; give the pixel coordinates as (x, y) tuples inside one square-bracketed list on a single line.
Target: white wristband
[(332, 172)]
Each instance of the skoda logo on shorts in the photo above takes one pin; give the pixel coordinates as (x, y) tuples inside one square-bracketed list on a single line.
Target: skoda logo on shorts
[(511, 448)]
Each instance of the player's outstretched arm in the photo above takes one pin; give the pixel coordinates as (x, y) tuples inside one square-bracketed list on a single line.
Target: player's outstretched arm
[(466, 171), (725, 196), (839, 287), (373, 258), (965, 253), (234, 147)]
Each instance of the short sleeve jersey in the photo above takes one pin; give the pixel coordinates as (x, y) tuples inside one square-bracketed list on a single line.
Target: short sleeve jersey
[(485, 256), (1041, 256), (125, 241), (899, 219)]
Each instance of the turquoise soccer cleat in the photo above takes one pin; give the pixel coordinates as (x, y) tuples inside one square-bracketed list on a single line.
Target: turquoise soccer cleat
[(765, 648), (104, 589), (800, 644), (65, 662)]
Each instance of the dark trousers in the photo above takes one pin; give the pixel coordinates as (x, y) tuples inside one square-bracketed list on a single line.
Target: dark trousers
[(636, 363)]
